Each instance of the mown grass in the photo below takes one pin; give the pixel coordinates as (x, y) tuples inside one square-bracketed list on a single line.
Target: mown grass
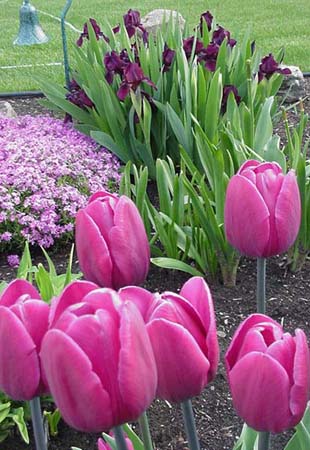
[(272, 23)]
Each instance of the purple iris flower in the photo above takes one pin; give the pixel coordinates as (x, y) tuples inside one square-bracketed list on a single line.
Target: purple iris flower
[(115, 64), (208, 18), (226, 91), (168, 57), (85, 35), (188, 46), (209, 56), (132, 21), (269, 66), (220, 34), (78, 96), (133, 77)]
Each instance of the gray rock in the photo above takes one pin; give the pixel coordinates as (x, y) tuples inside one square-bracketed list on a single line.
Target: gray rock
[(7, 110), (293, 86), (154, 19)]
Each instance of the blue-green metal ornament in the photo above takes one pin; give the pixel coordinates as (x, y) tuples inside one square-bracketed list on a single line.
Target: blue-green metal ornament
[(30, 31), (64, 41)]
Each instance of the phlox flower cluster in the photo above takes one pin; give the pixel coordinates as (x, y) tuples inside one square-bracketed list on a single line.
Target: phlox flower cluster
[(48, 170)]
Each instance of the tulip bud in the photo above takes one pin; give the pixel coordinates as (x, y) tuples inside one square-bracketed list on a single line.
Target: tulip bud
[(262, 209), (102, 445), (182, 331), (98, 360), (23, 323), (268, 372), (111, 241)]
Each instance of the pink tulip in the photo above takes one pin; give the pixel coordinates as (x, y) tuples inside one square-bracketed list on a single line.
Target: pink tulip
[(23, 323), (99, 362), (111, 241), (262, 209), (183, 335), (269, 373), (102, 445)]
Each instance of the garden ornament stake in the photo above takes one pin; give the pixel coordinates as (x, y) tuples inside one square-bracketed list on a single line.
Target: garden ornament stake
[(64, 41), (30, 31)]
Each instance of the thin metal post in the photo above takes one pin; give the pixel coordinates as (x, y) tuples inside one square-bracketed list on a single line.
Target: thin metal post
[(64, 41)]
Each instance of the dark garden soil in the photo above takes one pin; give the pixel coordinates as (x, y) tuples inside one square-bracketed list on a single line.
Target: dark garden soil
[(218, 427)]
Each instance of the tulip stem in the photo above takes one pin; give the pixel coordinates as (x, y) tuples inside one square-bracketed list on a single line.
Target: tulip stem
[(190, 427), (145, 430), (37, 424), (120, 438), (261, 285), (263, 440)]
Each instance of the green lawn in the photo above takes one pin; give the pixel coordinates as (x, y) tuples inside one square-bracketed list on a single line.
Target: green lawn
[(273, 24)]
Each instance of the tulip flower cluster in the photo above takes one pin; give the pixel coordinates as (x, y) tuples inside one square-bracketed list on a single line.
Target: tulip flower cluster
[(104, 355)]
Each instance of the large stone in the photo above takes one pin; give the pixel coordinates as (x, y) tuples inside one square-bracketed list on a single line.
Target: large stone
[(155, 19), (293, 86), (7, 110)]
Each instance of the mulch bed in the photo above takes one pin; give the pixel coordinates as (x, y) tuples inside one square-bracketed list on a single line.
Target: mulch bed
[(218, 427)]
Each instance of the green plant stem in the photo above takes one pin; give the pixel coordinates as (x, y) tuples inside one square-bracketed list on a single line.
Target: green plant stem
[(261, 285), (37, 424), (250, 101), (263, 440), (120, 438), (190, 427), (145, 430)]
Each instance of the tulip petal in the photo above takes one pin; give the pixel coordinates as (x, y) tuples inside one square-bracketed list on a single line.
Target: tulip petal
[(15, 290), (104, 298), (177, 309), (142, 298), (97, 336), (301, 387), (250, 164), (73, 293), (93, 253), (137, 368), (103, 195), (252, 342), (102, 214), (19, 362), (34, 316), (130, 251), (181, 365), (283, 350), (246, 217), (288, 212), (258, 373), (239, 336), (197, 292), (73, 384)]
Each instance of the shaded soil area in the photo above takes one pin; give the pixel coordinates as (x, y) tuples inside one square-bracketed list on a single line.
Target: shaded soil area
[(218, 426)]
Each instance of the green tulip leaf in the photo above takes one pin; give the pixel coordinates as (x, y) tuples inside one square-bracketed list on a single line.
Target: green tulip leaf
[(18, 417), (175, 264)]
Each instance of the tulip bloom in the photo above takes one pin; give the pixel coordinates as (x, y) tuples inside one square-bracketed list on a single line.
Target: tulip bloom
[(262, 209), (183, 335), (111, 241), (23, 323), (99, 362), (268, 372), (102, 445)]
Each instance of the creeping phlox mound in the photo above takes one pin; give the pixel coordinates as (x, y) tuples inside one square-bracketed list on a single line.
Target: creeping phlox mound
[(48, 170)]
